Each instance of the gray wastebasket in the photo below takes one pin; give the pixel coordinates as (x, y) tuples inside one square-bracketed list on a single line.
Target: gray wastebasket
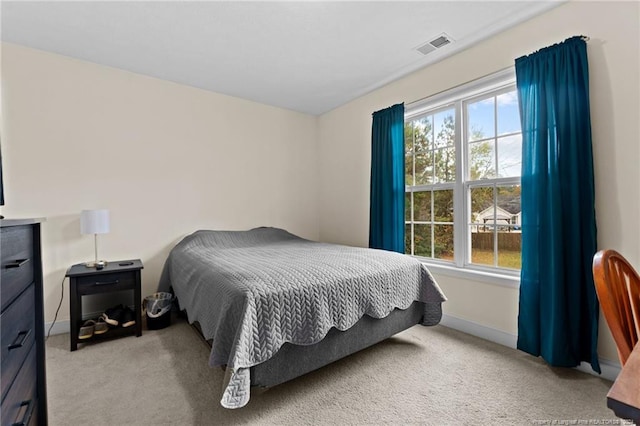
[(158, 308)]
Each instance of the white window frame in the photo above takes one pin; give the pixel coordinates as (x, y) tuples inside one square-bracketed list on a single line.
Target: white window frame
[(457, 98)]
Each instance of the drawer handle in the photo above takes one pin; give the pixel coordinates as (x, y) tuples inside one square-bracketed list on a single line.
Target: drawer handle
[(106, 282), (19, 341), (26, 417), (17, 263)]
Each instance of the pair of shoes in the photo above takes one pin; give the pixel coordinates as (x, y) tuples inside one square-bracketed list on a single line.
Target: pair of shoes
[(87, 329), (128, 317), (112, 315), (101, 325), (91, 327), (120, 316)]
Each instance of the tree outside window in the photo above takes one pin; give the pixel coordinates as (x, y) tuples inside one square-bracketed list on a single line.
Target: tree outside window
[(482, 134)]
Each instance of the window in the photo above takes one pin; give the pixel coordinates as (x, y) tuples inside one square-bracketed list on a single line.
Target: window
[(462, 171)]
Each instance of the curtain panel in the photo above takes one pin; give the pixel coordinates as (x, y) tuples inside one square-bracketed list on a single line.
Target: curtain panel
[(558, 307), (386, 213)]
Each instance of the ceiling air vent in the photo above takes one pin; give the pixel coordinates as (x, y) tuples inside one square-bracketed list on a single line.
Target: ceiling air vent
[(440, 41)]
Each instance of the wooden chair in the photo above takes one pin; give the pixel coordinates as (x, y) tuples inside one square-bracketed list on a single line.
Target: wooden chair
[(618, 289)]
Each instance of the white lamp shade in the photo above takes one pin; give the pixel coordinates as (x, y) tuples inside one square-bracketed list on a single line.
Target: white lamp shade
[(94, 221)]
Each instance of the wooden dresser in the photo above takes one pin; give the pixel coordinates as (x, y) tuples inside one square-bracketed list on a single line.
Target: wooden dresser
[(23, 379)]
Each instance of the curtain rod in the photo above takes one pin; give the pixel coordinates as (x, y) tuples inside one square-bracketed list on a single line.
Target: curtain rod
[(456, 86), (408, 104)]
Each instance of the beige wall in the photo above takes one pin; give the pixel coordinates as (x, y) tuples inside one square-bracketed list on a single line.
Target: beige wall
[(614, 58), (166, 159)]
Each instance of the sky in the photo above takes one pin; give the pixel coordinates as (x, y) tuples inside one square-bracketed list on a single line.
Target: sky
[(482, 117)]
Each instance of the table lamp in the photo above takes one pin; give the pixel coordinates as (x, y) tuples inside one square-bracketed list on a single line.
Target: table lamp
[(95, 222)]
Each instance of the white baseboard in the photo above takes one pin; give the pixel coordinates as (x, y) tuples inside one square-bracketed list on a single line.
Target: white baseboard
[(60, 327), (610, 370), (493, 335)]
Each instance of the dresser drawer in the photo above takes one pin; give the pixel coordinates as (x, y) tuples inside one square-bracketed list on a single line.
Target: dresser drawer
[(106, 282), (18, 334), (17, 262), (20, 404)]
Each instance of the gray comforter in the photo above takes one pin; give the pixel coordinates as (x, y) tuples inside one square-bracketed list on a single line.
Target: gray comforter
[(252, 291)]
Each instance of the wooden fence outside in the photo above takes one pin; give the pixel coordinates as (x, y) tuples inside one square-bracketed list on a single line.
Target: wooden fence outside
[(510, 241)]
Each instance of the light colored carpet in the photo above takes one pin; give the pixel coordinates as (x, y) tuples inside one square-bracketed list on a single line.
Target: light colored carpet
[(425, 375)]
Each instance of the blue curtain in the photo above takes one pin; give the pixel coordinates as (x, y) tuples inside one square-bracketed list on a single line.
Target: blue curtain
[(558, 310), (386, 214)]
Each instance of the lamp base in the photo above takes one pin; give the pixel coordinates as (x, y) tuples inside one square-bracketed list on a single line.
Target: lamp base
[(100, 264)]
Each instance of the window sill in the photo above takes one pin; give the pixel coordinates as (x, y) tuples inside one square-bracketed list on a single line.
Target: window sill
[(496, 278)]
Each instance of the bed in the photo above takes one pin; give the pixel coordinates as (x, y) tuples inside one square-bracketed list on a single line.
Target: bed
[(277, 306)]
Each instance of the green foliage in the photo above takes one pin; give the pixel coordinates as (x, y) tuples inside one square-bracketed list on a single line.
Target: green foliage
[(418, 137), (481, 160), (481, 199), (422, 240), (432, 154), (434, 159)]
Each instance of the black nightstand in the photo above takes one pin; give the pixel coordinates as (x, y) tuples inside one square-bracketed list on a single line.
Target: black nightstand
[(116, 276)]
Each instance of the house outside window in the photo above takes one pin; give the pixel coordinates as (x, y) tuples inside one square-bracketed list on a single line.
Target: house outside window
[(463, 153)]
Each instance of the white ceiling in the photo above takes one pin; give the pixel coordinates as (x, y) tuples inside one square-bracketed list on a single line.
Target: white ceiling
[(304, 56)]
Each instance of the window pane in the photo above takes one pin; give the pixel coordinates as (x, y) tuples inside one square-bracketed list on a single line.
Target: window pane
[(508, 200), (422, 206), (482, 226), (482, 244), (407, 206), (423, 134), (445, 165), (443, 205), (482, 160), (481, 122), (408, 170), (408, 138), (444, 128), (481, 204), (509, 231), (422, 240), (510, 156), (443, 242), (510, 248), (407, 238), (408, 153), (424, 168), (508, 113)]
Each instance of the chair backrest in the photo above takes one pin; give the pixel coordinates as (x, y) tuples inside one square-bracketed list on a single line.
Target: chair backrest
[(618, 289)]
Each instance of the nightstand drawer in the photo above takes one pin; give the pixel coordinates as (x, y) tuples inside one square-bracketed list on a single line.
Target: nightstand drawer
[(18, 334), (20, 404), (17, 262), (106, 282)]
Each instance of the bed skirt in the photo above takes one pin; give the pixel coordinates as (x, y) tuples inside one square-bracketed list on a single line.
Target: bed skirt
[(292, 361)]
